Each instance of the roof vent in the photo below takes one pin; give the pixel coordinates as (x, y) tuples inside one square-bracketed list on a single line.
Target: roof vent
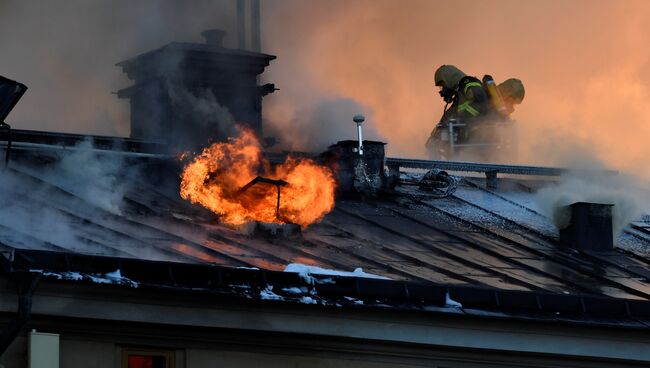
[(590, 227)]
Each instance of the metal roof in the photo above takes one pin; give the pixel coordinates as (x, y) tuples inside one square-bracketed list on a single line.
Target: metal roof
[(491, 249)]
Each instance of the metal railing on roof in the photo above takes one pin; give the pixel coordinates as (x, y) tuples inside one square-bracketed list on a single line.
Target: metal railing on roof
[(474, 167), (394, 164), (53, 148), (490, 170)]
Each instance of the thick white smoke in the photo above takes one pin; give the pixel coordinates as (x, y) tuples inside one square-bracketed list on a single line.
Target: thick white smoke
[(589, 181), (94, 177), (42, 205)]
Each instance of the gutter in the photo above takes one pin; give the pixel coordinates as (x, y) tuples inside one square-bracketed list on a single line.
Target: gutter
[(25, 283)]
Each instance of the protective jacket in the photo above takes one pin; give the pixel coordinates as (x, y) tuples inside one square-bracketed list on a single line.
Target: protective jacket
[(469, 101)]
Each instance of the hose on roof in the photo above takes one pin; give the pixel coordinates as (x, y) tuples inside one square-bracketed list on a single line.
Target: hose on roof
[(439, 183)]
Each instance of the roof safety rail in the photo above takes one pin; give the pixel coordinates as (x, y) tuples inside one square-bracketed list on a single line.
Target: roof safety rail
[(490, 170)]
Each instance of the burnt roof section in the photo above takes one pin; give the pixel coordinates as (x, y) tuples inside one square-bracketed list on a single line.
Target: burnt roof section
[(490, 249)]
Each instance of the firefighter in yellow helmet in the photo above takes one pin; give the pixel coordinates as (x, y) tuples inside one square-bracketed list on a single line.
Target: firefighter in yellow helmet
[(512, 92)]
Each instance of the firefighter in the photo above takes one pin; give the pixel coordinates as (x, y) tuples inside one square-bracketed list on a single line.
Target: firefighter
[(468, 99), (512, 92), (467, 104)]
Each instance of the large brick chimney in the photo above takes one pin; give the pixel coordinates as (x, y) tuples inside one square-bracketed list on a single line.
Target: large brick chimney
[(165, 77)]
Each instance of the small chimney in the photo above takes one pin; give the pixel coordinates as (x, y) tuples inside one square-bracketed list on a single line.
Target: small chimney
[(214, 37), (356, 173), (358, 164), (590, 227)]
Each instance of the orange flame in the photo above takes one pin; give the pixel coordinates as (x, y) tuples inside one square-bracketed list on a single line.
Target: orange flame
[(215, 177)]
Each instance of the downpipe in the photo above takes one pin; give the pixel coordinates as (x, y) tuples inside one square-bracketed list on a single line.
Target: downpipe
[(7, 127), (26, 283)]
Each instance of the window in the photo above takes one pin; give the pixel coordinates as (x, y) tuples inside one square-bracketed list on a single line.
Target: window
[(146, 358)]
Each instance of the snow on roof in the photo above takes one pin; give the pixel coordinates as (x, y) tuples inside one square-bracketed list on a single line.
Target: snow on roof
[(306, 271)]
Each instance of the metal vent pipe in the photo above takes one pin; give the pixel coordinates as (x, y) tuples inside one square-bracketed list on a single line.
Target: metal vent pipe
[(359, 119), (241, 24), (256, 32)]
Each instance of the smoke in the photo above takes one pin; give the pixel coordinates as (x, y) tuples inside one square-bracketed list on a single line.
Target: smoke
[(581, 62), (30, 220), (96, 178), (35, 206), (314, 128), (589, 181), (202, 109), (65, 52)]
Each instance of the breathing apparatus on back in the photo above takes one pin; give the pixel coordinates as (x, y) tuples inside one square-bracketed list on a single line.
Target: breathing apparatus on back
[(495, 96)]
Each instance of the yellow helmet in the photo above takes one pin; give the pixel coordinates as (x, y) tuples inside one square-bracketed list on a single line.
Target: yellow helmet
[(512, 89)]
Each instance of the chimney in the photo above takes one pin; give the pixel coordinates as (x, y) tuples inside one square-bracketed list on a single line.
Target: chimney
[(214, 37), (590, 227), (355, 172), (358, 164), (169, 84)]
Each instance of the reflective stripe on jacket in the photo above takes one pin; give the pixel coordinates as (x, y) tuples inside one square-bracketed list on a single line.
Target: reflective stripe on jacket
[(471, 98)]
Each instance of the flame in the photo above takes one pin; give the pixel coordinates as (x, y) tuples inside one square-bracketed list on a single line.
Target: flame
[(215, 177), (182, 156)]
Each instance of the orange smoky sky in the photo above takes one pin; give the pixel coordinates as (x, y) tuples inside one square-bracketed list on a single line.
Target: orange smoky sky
[(585, 66), (584, 63)]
